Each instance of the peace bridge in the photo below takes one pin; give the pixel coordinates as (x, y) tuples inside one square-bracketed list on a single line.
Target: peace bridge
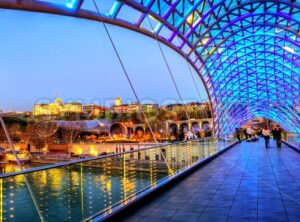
[(247, 55)]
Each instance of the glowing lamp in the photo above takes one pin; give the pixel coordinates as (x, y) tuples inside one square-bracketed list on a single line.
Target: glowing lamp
[(79, 150), (71, 4), (286, 48), (190, 19), (93, 151)]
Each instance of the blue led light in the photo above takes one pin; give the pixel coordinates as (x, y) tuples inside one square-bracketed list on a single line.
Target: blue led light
[(247, 54), (71, 4)]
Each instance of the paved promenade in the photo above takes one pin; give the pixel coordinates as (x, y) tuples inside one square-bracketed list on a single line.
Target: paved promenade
[(247, 183)]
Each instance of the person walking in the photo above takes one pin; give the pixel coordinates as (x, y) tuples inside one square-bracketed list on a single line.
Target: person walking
[(245, 133), (238, 134), (250, 132), (277, 135), (266, 134)]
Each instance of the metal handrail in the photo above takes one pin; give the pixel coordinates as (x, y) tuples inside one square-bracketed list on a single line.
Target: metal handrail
[(120, 179), (159, 183), (62, 164)]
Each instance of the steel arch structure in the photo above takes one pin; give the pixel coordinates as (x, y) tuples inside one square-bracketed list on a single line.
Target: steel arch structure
[(245, 51)]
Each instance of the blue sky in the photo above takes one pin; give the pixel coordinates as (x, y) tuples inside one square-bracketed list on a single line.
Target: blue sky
[(42, 56)]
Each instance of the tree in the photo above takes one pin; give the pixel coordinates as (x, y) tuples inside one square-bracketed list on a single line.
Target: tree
[(181, 115), (101, 115), (38, 142), (2, 135), (70, 130), (111, 115), (164, 115), (45, 129)]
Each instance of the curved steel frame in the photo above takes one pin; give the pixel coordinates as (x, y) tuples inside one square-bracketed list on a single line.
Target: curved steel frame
[(213, 35)]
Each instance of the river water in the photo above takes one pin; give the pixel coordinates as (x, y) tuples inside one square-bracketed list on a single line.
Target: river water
[(79, 191), (68, 193)]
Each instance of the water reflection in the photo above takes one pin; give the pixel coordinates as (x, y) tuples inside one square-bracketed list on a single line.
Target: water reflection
[(76, 192), (67, 194)]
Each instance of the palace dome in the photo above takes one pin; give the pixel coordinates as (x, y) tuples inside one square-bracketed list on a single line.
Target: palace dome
[(58, 101)]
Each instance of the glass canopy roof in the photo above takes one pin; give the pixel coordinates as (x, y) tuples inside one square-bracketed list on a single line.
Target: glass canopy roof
[(246, 52)]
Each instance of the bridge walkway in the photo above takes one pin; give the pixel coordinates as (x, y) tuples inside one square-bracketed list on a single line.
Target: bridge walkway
[(247, 183)]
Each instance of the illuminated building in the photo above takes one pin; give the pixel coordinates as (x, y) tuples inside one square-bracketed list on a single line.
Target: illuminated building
[(57, 108), (18, 113), (124, 108), (93, 109), (134, 107), (193, 106), (149, 108), (118, 101)]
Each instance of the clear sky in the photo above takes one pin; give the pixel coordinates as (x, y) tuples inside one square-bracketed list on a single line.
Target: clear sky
[(42, 56)]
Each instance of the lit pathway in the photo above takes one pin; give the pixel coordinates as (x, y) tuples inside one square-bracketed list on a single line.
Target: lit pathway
[(243, 184)]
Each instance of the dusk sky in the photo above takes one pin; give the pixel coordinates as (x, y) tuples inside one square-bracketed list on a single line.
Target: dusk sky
[(43, 56)]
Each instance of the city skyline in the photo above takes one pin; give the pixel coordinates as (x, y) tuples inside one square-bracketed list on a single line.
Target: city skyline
[(83, 65), (109, 103)]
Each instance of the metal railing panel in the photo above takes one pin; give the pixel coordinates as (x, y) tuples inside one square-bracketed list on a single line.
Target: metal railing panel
[(83, 189)]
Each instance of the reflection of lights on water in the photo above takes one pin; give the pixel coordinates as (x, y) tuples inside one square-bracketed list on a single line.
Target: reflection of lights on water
[(75, 178), (128, 185), (57, 179), (107, 183)]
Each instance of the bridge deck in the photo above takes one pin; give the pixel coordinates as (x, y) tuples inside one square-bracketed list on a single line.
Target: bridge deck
[(247, 183)]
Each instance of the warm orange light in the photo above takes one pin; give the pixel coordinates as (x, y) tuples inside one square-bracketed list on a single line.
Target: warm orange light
[(193, 19), (78, 150), (11, 157), (108, 185), (204, 41), (93, 151), (190, 19)]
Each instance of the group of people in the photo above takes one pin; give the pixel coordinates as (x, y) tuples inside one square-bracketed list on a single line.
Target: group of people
[(249, 134), (266, 133), (276, 132)]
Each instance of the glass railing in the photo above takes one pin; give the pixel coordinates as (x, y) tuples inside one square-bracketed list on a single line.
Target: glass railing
[(293, 139), (87, 188)]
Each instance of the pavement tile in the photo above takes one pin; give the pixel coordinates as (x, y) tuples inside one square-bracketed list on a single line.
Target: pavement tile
[(242, 215), (247, 183), (185, 216)]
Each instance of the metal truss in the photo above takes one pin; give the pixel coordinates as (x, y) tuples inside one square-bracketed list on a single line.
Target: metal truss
[(245, 51)]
